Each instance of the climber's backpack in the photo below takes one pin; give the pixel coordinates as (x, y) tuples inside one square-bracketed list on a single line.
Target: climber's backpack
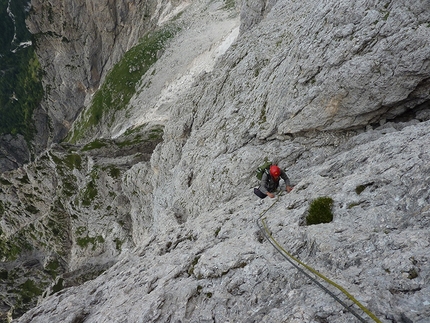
[(263, 168)]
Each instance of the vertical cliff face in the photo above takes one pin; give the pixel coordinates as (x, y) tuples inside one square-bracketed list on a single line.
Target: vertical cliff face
[(161, 186), (79, 41)]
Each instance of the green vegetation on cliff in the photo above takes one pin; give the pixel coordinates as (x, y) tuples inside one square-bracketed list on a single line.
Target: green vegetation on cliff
[(20, 79), (120, 84)]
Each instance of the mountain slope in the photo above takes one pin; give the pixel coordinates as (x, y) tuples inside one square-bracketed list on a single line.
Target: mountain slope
[(335, 92)]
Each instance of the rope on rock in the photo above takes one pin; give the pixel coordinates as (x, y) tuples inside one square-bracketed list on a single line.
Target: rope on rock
[(296, 262)]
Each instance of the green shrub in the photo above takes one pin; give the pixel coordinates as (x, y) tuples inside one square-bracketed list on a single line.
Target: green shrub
[(193, 264), (58, 286), (24, 179), (320, 211), (114, 172), (263, 117), (29, 290)]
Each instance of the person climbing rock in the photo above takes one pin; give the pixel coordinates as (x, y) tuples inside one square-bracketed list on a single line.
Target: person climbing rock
[(270, 182)]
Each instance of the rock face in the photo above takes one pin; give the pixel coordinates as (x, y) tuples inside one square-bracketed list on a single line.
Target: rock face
[(336, 92), (13, 150), (66, 217), (79, 42)]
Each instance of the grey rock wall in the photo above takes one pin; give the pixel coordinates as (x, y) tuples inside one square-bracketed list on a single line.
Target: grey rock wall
[(329, 67), (64, 219), (215, 266), (78, 42), (13, 152)]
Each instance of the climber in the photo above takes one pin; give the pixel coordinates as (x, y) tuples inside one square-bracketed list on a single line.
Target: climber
[(270, 182)]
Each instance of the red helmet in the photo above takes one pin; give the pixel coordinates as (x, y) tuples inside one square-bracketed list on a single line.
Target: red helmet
[(275, 171)]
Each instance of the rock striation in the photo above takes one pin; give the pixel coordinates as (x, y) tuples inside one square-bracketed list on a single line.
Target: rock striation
[(335, 92)]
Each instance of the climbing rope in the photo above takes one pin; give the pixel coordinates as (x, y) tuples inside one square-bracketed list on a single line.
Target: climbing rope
[(296, 262)]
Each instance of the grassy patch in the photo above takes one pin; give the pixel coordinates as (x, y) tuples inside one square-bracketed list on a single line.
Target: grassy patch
[(359, 189), (73, 161), (320, 211), (89, 193), (13, 246), (229, 4), (412, 273), (217, 231), (69, 186), (64, 165), (126, 143), (96, 144), (83, 242), (387, 14), (4, 274), (156, 134), (26, 296)]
